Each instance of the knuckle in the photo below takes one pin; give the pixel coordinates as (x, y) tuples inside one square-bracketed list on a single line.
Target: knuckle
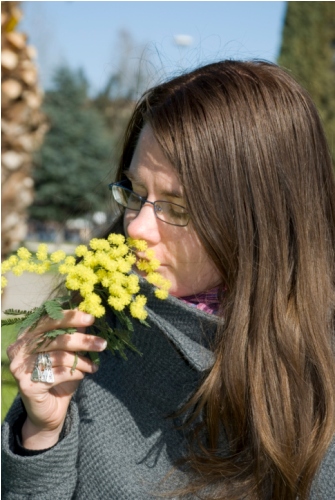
[(17, 368), (12, 368), (71, 316), (12, 350), (78, 375), (63, 340), (88, 339)]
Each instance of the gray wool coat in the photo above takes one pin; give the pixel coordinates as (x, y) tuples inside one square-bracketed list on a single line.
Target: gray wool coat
[(120, 439)]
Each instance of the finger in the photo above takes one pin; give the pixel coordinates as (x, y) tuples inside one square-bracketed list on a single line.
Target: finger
[(20, 367), (74, 342), (71, 361), (14, 349), (21, 344), (61, 375), (71, 319)]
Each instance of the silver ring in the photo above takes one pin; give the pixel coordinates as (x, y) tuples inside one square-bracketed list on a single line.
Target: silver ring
[(42, 371)]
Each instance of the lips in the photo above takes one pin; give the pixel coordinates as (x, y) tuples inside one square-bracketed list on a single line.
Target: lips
[(140, 255)]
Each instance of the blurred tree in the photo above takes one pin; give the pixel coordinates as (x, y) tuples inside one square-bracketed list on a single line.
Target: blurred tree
[(75, 156), (128, 79), (308, 51)]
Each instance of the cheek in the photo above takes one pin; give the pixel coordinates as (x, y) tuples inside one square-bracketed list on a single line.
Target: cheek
[(189, 256), (195, 263)]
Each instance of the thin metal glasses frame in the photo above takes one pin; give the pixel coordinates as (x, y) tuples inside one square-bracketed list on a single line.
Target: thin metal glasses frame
[(114, 186)]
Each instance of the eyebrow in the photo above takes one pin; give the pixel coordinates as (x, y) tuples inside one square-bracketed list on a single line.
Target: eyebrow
[(134, 178)]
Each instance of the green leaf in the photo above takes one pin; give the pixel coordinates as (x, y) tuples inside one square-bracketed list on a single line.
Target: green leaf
[(10, 321), (32, 319), (63, 299), (125, 321), (125, 338), (53, 309), (17, 312), (94, 356), (145, 323), (75, 362), (49, 336), (52, 334)]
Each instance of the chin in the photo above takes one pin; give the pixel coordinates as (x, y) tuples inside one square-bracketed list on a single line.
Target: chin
[(176, 291)]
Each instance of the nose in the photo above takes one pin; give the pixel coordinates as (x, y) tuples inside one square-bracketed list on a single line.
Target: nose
[(143, 224)]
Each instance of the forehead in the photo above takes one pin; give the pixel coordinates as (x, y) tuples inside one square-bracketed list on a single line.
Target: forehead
[(149, 162)]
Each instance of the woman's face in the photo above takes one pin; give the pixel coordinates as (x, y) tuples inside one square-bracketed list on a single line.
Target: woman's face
[(182, 257)]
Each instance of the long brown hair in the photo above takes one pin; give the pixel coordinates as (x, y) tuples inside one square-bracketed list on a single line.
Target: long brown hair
[(247, 141)]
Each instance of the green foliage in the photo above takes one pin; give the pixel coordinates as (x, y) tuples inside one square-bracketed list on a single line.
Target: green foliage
[(28, 320), (74, 158), (9, 321), (53, 309), (16, 312), (52, 334), (118, 340), (308, 51)]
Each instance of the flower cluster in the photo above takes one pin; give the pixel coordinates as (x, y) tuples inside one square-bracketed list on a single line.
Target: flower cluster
[(101, 273)]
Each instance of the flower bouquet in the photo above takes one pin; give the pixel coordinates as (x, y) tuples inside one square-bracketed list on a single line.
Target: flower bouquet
[(99, 276)]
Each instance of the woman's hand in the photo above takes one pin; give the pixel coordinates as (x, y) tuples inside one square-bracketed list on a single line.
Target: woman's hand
[(46, 404)]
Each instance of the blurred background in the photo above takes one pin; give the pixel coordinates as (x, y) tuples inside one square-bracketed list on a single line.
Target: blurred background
[(71, 74)]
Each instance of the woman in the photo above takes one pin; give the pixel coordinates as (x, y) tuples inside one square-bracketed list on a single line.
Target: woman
[(226, 174)]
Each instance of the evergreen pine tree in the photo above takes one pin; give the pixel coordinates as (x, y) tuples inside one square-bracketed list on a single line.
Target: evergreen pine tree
[(71, 169), (308, 51)]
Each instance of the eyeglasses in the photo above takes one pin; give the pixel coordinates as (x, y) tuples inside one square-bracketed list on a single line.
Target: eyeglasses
[(171, 213)]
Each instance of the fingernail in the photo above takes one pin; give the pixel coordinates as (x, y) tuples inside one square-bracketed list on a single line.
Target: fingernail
[(87, 319), (101, 344), (95, 368)]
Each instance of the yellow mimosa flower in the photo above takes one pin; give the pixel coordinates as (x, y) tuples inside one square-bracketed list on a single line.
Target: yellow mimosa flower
[(81, 250), (99, 244), (70, 260), (116, 239), (24, 253), (42, 268), (138, 244), (161, 294), (72, 283), (42, 252), (58, 256), (132, 284), (124, 266), (103, 270), (137, 307), (86, 289), (4, 282), (116, 303), (8, 264)]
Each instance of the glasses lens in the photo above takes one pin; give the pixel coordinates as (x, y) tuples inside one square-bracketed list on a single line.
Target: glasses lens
[(171, 213), (126, 198)]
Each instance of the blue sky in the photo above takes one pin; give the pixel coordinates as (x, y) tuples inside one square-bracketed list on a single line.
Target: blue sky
[(87, 34)]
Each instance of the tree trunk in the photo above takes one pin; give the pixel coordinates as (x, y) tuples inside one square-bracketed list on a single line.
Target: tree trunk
[(22, 126)]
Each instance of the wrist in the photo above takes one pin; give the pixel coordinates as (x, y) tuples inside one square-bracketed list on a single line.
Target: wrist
[(37, 438)]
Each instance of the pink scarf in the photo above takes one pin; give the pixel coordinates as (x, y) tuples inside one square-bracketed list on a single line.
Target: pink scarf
[(205, 301)]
